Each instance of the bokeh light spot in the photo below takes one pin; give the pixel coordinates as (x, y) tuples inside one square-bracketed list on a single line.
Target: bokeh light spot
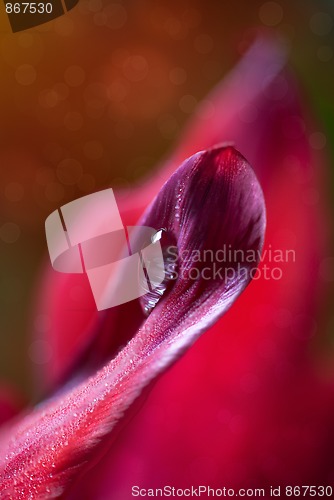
[(40, 352), (116, 16), (271, 13), (188, 103), (135, 68), (204, 43), (94, 5), (69, 171), (321, 23), (100, 19), (74, 76), (25, 74), (93, 150), (117, 91), (177, 76), (317, 140), (64, 26), (96, 95), (174, 28), (87, 183), (168, 126), (73, 121), (9, 232), (14, 191), (62, 90), (48, 98), (25, 40), (54, 192), (44, 176)]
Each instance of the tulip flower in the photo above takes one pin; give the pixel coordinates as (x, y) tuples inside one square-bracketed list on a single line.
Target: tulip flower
[(245, 406)]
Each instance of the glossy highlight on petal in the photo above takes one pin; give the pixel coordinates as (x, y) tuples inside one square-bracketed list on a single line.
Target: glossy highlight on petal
[(213, 199)]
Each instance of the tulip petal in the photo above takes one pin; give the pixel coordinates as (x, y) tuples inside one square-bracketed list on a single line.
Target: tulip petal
[(214, 199), (77, 330), (262, 384)]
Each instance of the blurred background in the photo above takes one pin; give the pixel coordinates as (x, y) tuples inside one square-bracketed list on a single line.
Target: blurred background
[(99, 96)]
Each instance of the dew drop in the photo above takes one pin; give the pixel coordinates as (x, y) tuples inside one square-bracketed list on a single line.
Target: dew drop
[(170, 262)]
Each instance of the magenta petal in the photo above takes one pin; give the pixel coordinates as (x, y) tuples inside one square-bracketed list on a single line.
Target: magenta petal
[(218, 205), (213, 199), (223, 116)]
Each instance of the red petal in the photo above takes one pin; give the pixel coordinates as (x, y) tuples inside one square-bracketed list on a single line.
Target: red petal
[(266, 404), (67, 300), (219, 202)]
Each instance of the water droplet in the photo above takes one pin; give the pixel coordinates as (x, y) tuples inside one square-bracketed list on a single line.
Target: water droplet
[(178, 203), (170, 258)]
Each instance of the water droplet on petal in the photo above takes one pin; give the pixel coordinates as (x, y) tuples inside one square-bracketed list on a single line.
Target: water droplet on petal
[(170, 262)]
